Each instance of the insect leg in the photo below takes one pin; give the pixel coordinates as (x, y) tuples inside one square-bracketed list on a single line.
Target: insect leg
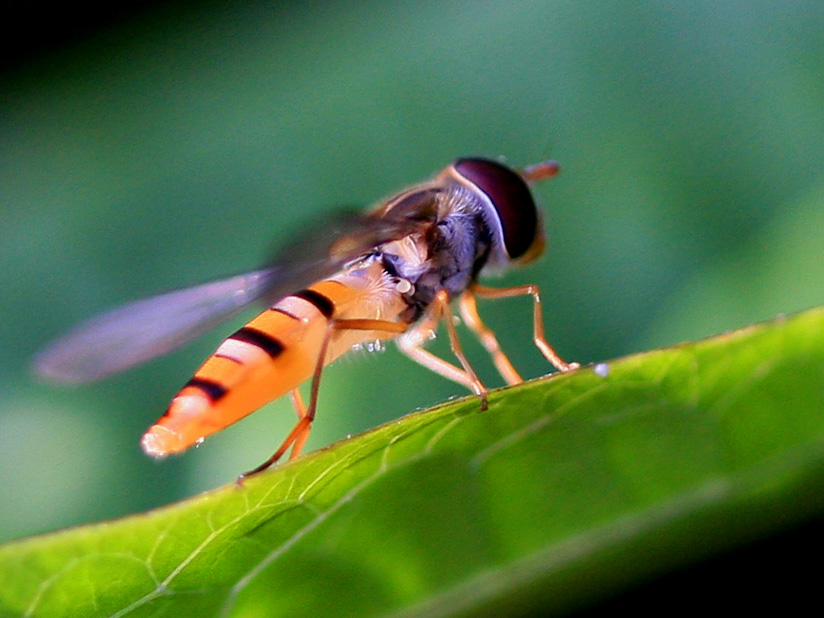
[(412, 347), (297, 403), (298, 436), (537, 319), (469, 312), (300, 409)]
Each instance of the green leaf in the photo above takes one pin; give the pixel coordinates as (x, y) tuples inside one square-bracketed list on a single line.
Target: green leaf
[(566, 488)]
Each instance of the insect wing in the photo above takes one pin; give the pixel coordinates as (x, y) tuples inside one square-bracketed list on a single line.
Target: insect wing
[(145, 329)]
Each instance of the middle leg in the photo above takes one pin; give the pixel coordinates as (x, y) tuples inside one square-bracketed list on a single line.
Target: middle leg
[(306, 414)]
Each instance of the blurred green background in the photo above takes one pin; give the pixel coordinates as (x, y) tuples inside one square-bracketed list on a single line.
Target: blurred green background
[(181, 145)]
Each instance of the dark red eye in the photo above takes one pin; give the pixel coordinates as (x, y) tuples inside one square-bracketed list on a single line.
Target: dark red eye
[(511, 199)]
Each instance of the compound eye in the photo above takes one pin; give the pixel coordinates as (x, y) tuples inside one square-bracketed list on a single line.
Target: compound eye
[(511, 199)]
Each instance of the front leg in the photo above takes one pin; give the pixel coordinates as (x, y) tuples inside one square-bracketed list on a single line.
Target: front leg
[(412, 346)]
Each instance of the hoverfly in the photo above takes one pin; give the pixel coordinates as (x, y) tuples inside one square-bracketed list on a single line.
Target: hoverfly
[(391, 273)]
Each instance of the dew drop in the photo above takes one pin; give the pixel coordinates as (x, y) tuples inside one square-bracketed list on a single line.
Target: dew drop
[(601, 369)]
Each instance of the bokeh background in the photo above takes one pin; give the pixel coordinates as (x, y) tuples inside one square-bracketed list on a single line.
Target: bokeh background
[(179, 143)]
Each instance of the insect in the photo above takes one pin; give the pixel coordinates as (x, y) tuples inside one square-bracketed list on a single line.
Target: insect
[(391, 273)]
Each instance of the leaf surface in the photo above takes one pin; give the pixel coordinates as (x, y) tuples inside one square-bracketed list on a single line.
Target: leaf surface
[(567, 488)]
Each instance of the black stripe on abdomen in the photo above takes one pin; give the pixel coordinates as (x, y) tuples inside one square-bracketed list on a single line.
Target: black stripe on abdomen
[(322, 303), (212, 389), (272, 346), (277, 309)]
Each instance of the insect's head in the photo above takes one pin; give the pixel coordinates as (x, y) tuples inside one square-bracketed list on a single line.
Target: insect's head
[(510, 210)]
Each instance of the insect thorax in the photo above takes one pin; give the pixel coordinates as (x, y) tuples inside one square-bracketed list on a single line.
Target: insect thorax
[(448, 255)]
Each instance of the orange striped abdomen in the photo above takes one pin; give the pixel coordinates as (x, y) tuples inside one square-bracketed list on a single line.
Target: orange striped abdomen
[(270, 356)]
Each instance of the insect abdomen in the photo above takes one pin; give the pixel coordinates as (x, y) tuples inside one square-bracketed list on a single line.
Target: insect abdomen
[(267, 358)]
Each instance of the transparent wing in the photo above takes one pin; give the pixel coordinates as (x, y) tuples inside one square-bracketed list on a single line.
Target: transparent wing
[(139, 331)]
